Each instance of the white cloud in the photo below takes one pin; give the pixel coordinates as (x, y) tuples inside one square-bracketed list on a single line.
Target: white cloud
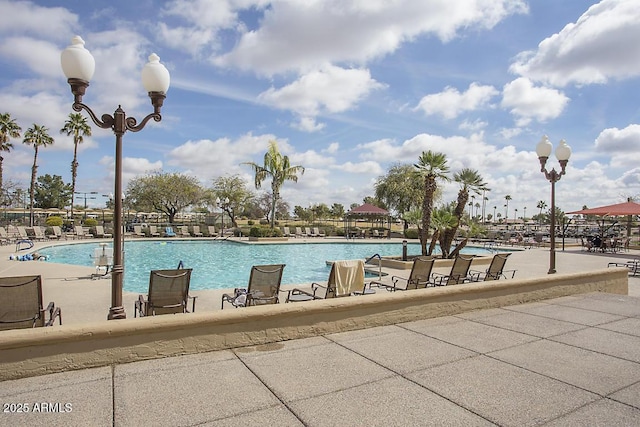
[(528, 102), (296, 35), (369, 167), (600, 45), (623, 145), (24, 17), (331, 89), (450, 103), (308, 124)]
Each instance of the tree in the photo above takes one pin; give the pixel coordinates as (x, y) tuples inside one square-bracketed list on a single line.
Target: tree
[(401, 189), (442, 219), (164, 192), (506, 212), (38, 136), (233, 188), (470, 180), (77, 126), (278, 168), (433, 167), (8, 129), (265, 202), (337, 211), (52, 192), (541, 205)]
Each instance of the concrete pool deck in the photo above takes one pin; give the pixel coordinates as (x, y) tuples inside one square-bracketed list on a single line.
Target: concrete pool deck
[(566, 361)]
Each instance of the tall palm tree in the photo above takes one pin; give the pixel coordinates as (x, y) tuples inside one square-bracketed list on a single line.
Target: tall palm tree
[(541, 205), (77, 126), (38, 136), (470, 180), (433, 167), (8, 129), (279, 169), (506, 211)]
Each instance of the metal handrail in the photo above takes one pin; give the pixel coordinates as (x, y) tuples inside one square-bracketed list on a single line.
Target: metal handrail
[(180, 265), (379, 264)]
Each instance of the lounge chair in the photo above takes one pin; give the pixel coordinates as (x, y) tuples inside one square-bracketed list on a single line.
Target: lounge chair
[(38, 233), (79, 232), (318, 233), (299, 232), (138, 232), (346, 278), (100, 232), (307, 232), (495, 271), (633, 265), (211, 231), (153, 231), (22, 233), (264, 286), (184, 231), (418, 278), (287, 233), (102, 259), (196, 231), (4, 237), (459, 272), (21, 305), (57, 231), (168, 232), (168, 293)]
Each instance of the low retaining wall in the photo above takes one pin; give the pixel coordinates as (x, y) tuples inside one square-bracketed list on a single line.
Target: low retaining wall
[(41, 351)]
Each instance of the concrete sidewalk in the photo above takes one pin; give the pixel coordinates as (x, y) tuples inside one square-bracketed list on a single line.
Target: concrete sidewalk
[(569, 361)]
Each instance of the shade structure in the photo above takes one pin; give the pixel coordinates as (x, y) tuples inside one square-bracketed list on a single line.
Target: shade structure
[(619, 209), (369, 211)]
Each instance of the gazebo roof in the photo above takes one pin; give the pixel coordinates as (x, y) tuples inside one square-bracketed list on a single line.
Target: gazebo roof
[(619, 209), (368, 209)]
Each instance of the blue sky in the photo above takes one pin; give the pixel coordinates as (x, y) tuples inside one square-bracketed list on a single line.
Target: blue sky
[(347, 88)]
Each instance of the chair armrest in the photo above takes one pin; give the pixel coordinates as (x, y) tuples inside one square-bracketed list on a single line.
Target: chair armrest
[(474, 275), (193, 304), (53, 313)]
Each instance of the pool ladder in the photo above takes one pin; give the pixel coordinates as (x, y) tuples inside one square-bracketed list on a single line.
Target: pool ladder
[(379, 264)]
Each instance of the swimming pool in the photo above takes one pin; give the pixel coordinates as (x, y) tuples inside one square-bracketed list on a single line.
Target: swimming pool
[(226, 264)]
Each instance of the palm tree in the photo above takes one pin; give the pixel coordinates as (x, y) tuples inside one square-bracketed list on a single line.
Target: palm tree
[(8, 129), (38, 136), (506, 211), (279, 169), (442, 219), (77, 126), (541, 205), (470, 180), (433, 166)]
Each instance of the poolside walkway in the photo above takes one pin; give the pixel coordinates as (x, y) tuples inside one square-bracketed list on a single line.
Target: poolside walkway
[(568, 361)]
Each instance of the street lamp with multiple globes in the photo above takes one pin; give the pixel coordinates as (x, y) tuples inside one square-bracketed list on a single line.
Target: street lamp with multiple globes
[(78, 66), (563, 152)]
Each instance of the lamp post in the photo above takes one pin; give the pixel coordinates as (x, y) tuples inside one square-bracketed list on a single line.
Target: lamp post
[(563, 152), (86, 196), (222, 204), (78, 66)]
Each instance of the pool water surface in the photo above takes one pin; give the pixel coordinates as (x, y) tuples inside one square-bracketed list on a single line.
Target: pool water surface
[(227, 264)]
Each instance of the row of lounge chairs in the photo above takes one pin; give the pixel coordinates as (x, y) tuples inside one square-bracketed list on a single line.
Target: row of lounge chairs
[(182, 231), (307, 232), (22, 305)]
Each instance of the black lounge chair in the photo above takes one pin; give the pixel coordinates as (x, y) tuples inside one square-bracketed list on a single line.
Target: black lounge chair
[(459, 272), (168, 293), (21, 304), (264, 286), (345, 278), (495, 271), (418, 278)]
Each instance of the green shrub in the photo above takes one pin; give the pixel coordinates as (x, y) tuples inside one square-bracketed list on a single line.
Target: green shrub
[(90, 222), (54, 221), (265, 232), (411, 233), (264, 221), (251, 222)]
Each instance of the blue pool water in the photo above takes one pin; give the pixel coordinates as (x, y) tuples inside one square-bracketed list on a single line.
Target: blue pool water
[(225, 264)]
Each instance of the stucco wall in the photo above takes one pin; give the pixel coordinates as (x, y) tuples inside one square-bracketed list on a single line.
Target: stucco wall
[(40, 351)]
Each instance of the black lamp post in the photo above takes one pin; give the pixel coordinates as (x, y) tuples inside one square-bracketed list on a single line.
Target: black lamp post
[(78, 66), (563, 152)]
